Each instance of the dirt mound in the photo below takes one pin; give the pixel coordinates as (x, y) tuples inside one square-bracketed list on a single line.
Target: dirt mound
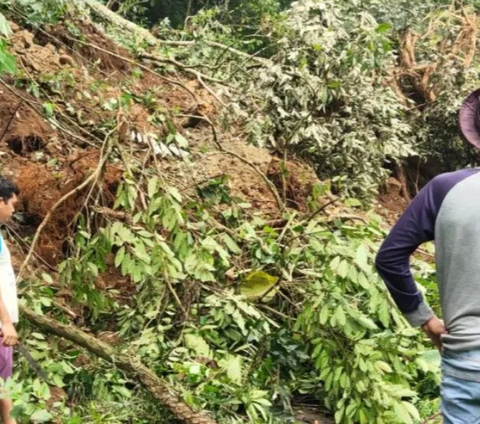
[(42, 187), (36, 58), (94, 86), (391, 203), (22, 129), (83, 40), (294, 180)]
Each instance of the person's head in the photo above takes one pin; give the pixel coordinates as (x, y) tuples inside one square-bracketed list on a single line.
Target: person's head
[(9, 193)]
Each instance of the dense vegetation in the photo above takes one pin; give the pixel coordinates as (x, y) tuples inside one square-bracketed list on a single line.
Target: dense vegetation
[(240, 311)]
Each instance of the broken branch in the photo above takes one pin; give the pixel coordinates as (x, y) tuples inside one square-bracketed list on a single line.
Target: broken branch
[(132, 366)]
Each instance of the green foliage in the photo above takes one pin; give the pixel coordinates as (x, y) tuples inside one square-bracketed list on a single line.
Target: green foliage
[(7, 61), (337, 113), (240, 317), (42, 12), (242, 15), (335, 90), (338, 337)]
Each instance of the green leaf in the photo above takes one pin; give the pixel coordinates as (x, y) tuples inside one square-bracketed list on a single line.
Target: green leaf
[(383, 28), (58, 380), (47, 278), (175, 194), (4, 27), (7, 62), (257, 284), (93, 268), (119, 256), (123, 391), (231, 244), (339, 414), (234, 370), (342, 270), (402, 413), (49, 109), (384, 313), (198, 344), (411, 410), (340, 316), (361, 258), (324, 314), (41, 416), (363, 281), (335, 262), (383, 366), (181, 140), (152, 187), (431, 357)]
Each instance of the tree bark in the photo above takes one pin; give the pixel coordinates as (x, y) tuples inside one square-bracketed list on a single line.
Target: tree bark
[(107, 14), (131, 365)]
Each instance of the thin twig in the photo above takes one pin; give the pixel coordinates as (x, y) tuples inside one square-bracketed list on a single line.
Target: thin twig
[(175, 295), (206, 87), (438, 414), (39, 113), (274, 311), (51, 268), (320, 209), (132, 62), (180, 65), (217, 45), (11, 119), (209, 122)]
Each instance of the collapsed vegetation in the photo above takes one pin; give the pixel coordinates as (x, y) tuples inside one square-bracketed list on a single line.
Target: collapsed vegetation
[(224, 282)]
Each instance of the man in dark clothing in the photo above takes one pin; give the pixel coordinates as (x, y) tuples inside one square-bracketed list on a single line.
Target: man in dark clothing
[(447, 210)]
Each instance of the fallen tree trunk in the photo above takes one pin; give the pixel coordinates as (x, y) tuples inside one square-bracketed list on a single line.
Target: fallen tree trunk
[(146, 35), (131, 365), (107, 14)]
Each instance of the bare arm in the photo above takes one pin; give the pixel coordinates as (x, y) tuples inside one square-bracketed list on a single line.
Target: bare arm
[(10, 337)]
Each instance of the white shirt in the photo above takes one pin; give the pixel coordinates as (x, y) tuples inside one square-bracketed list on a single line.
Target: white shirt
[(8, 286)]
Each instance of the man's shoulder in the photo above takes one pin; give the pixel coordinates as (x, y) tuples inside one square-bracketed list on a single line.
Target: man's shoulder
[(447, 180), (443, 183)]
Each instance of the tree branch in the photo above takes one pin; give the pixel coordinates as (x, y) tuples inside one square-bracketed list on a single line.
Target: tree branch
[(132, 366)]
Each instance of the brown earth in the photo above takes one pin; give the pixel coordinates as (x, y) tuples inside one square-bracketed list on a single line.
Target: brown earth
[(391, 203)]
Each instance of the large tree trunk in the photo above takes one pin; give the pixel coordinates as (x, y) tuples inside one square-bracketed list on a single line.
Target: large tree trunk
[(142, 33), (131, 365), (107, 14)]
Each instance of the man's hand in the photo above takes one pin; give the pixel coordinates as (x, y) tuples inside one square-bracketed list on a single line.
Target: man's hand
[(434, 328), (9, 334)]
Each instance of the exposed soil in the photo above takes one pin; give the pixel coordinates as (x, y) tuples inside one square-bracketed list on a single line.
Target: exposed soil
[(84, 82), (391, 203), (22, 129), (294, 180)]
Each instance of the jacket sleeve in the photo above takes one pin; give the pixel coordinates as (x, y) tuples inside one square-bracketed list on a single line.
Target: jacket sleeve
[(415, 226)]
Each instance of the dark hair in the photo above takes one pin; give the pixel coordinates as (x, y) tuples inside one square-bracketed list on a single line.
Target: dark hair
[(8, 189)]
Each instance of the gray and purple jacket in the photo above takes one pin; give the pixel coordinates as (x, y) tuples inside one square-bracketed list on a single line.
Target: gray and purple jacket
[(447, 210)]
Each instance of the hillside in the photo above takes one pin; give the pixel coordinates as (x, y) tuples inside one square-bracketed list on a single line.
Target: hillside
[(172, 270)]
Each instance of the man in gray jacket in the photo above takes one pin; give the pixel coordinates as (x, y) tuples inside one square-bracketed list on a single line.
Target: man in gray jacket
[(446, 210)]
